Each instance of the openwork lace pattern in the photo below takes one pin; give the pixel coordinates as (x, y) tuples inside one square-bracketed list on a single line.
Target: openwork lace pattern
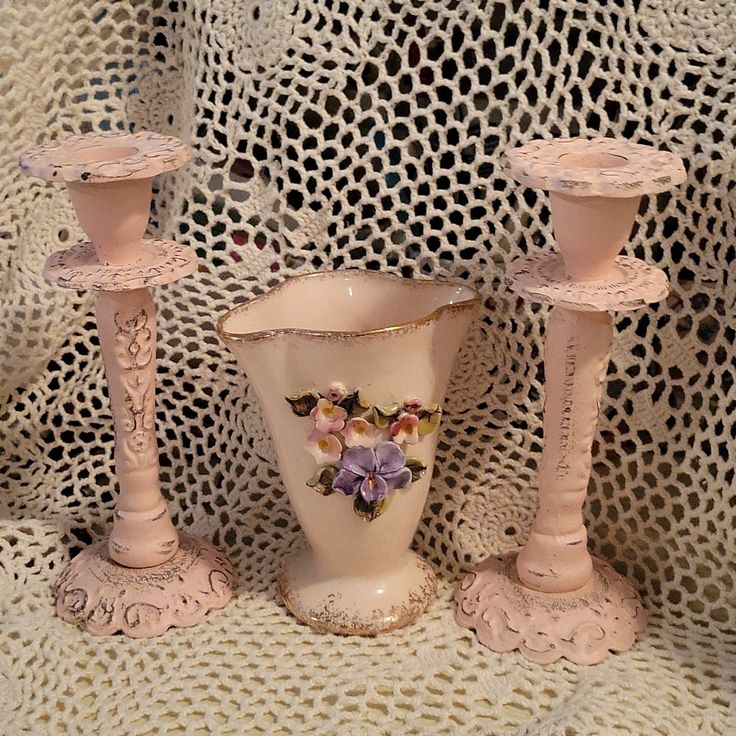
[(367, 133)]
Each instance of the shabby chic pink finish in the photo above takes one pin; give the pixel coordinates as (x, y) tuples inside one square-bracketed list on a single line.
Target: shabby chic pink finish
[(145, 578), (350, 368), (551, 599)]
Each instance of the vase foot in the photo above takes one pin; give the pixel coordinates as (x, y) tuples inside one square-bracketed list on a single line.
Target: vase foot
[(582, 626), (364, 606), (107, 598)]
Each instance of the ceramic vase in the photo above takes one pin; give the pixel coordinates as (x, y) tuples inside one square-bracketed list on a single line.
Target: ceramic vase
[(350, 369), (551, 599), (146, 577)]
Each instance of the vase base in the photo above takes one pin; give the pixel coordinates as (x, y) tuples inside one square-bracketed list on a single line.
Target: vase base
[(357, 605), (107, 598), (582, 626)]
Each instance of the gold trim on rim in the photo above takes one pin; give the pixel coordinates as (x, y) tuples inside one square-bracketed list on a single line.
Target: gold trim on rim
[(224, 334)]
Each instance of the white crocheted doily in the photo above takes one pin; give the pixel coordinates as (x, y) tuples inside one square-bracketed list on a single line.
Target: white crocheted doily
[(369, 134)]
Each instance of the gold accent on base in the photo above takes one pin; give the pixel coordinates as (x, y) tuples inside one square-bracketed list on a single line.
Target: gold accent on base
[(107, 598), (336, 617)]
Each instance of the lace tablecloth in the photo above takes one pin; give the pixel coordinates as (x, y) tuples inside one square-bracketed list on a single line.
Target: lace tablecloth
[(368, 134)]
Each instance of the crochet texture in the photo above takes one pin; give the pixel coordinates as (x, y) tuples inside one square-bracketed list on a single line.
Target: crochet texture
[(367, 133)]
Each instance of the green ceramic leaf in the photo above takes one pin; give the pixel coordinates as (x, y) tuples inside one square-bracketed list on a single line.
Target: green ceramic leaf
[(322, 480), (378, 419), (303, 402), (369, 511), (384, 415), (429, 419), (353, 402), (417, 467)]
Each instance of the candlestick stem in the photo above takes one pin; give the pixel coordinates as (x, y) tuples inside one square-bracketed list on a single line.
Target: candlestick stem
[(142, 534), (577, 347)]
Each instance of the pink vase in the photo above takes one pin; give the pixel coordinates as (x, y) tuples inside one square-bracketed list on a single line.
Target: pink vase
[(350, 368)]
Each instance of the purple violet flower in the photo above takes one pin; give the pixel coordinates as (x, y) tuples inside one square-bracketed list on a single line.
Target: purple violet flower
[(372, 472)]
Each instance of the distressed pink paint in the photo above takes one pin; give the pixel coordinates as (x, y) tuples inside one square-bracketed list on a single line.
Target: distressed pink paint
[(551, 599), (141, 582), (556, 559), (142, 533)]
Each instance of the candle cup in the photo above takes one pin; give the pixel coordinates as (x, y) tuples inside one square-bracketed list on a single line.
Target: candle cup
[(145, 578), (114, 215), (551, 599), (580, 222)]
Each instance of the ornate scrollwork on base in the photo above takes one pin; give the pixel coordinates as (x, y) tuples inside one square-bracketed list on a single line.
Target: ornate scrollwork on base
[(107, 598), (582, 626)]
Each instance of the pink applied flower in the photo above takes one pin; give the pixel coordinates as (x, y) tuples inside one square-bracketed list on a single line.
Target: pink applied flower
[(325, 448), (360, 433), (405, 429), (328, 417), (412, 405), (336, 391)]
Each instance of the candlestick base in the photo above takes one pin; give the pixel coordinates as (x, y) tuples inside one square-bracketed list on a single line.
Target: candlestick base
[(582, 626), (107, 598)]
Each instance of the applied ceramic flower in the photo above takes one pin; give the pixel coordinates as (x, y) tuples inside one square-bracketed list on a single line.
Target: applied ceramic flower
[(405, 430), (373, 472), (359, 432), (328, 417), (324, 447), (413, 405), (336, 392), (358, 446)]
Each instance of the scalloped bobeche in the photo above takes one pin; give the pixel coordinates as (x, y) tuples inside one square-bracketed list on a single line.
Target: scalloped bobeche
[(79, 268), (630, 169), (106, 157), (541, 278)]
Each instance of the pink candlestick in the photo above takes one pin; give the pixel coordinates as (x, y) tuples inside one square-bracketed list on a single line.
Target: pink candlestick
[(551, 599), (145, 578)]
